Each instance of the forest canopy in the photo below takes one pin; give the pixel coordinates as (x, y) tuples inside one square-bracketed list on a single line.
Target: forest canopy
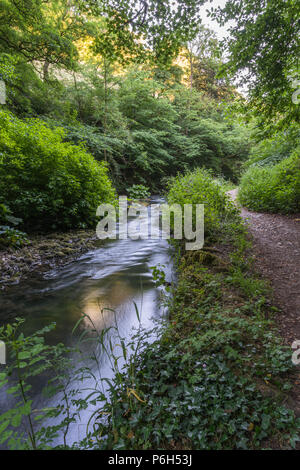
[(146, 88)]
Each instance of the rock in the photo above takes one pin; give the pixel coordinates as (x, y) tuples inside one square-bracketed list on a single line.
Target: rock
[(44, 253)]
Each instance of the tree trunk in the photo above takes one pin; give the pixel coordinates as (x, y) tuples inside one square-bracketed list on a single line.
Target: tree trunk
[(46, 71)]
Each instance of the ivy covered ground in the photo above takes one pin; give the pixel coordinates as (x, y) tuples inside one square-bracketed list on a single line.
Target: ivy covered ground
[(218, 376)]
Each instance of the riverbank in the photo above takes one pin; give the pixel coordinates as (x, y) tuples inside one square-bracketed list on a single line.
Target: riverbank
[(218, 377), (276, 248), (43, 253)]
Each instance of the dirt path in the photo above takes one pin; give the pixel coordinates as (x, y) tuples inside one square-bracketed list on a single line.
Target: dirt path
[(277, 252)]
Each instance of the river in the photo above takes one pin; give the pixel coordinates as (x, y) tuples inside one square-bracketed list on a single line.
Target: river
[(106, 284)]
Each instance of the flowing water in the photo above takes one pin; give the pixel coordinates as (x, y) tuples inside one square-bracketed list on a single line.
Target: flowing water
[(104, 283)]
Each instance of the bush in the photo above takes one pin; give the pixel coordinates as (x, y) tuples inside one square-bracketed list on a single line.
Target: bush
[(49, 183), (138, 191), (273, 149), (272, 188), (199, 187)]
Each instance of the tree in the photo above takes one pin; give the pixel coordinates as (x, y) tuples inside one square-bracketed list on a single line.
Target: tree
[(264, 49), (204, 62), (204, 45), (41, 31)]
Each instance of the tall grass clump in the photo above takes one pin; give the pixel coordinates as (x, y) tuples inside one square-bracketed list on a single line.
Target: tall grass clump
[(272, 188), (48, 183)]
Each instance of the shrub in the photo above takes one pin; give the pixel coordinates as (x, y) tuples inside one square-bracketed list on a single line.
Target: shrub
[(138, 191), (199, 187), (49, 183), (272, 188), (12, 237)]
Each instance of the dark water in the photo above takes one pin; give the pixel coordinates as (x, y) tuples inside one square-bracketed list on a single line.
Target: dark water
[(112, 277)]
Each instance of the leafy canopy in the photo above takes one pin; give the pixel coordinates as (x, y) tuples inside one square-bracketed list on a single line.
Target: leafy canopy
[(264, 51)]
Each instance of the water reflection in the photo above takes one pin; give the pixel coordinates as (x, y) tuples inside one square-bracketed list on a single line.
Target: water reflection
[(107, 284)]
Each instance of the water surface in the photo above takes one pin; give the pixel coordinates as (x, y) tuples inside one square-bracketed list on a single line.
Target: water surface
[(106, 283)]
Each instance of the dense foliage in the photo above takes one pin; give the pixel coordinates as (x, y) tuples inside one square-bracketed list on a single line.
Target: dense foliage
[(46, 182), (264, 49), (272, 188), (49, 31), (275, 148), (151, 131), (271, 181), (86, 70), (199, 187)]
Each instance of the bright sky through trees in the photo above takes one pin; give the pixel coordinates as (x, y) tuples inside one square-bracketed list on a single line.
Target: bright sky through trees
[(221, 31)]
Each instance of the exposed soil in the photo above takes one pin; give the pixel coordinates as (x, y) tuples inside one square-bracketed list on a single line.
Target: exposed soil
[(276, 244), (276, 248), (44, 252)]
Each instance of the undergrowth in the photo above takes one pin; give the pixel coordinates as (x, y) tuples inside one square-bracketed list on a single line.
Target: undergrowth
[(213, 376), (272, 188), (217, 376)]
